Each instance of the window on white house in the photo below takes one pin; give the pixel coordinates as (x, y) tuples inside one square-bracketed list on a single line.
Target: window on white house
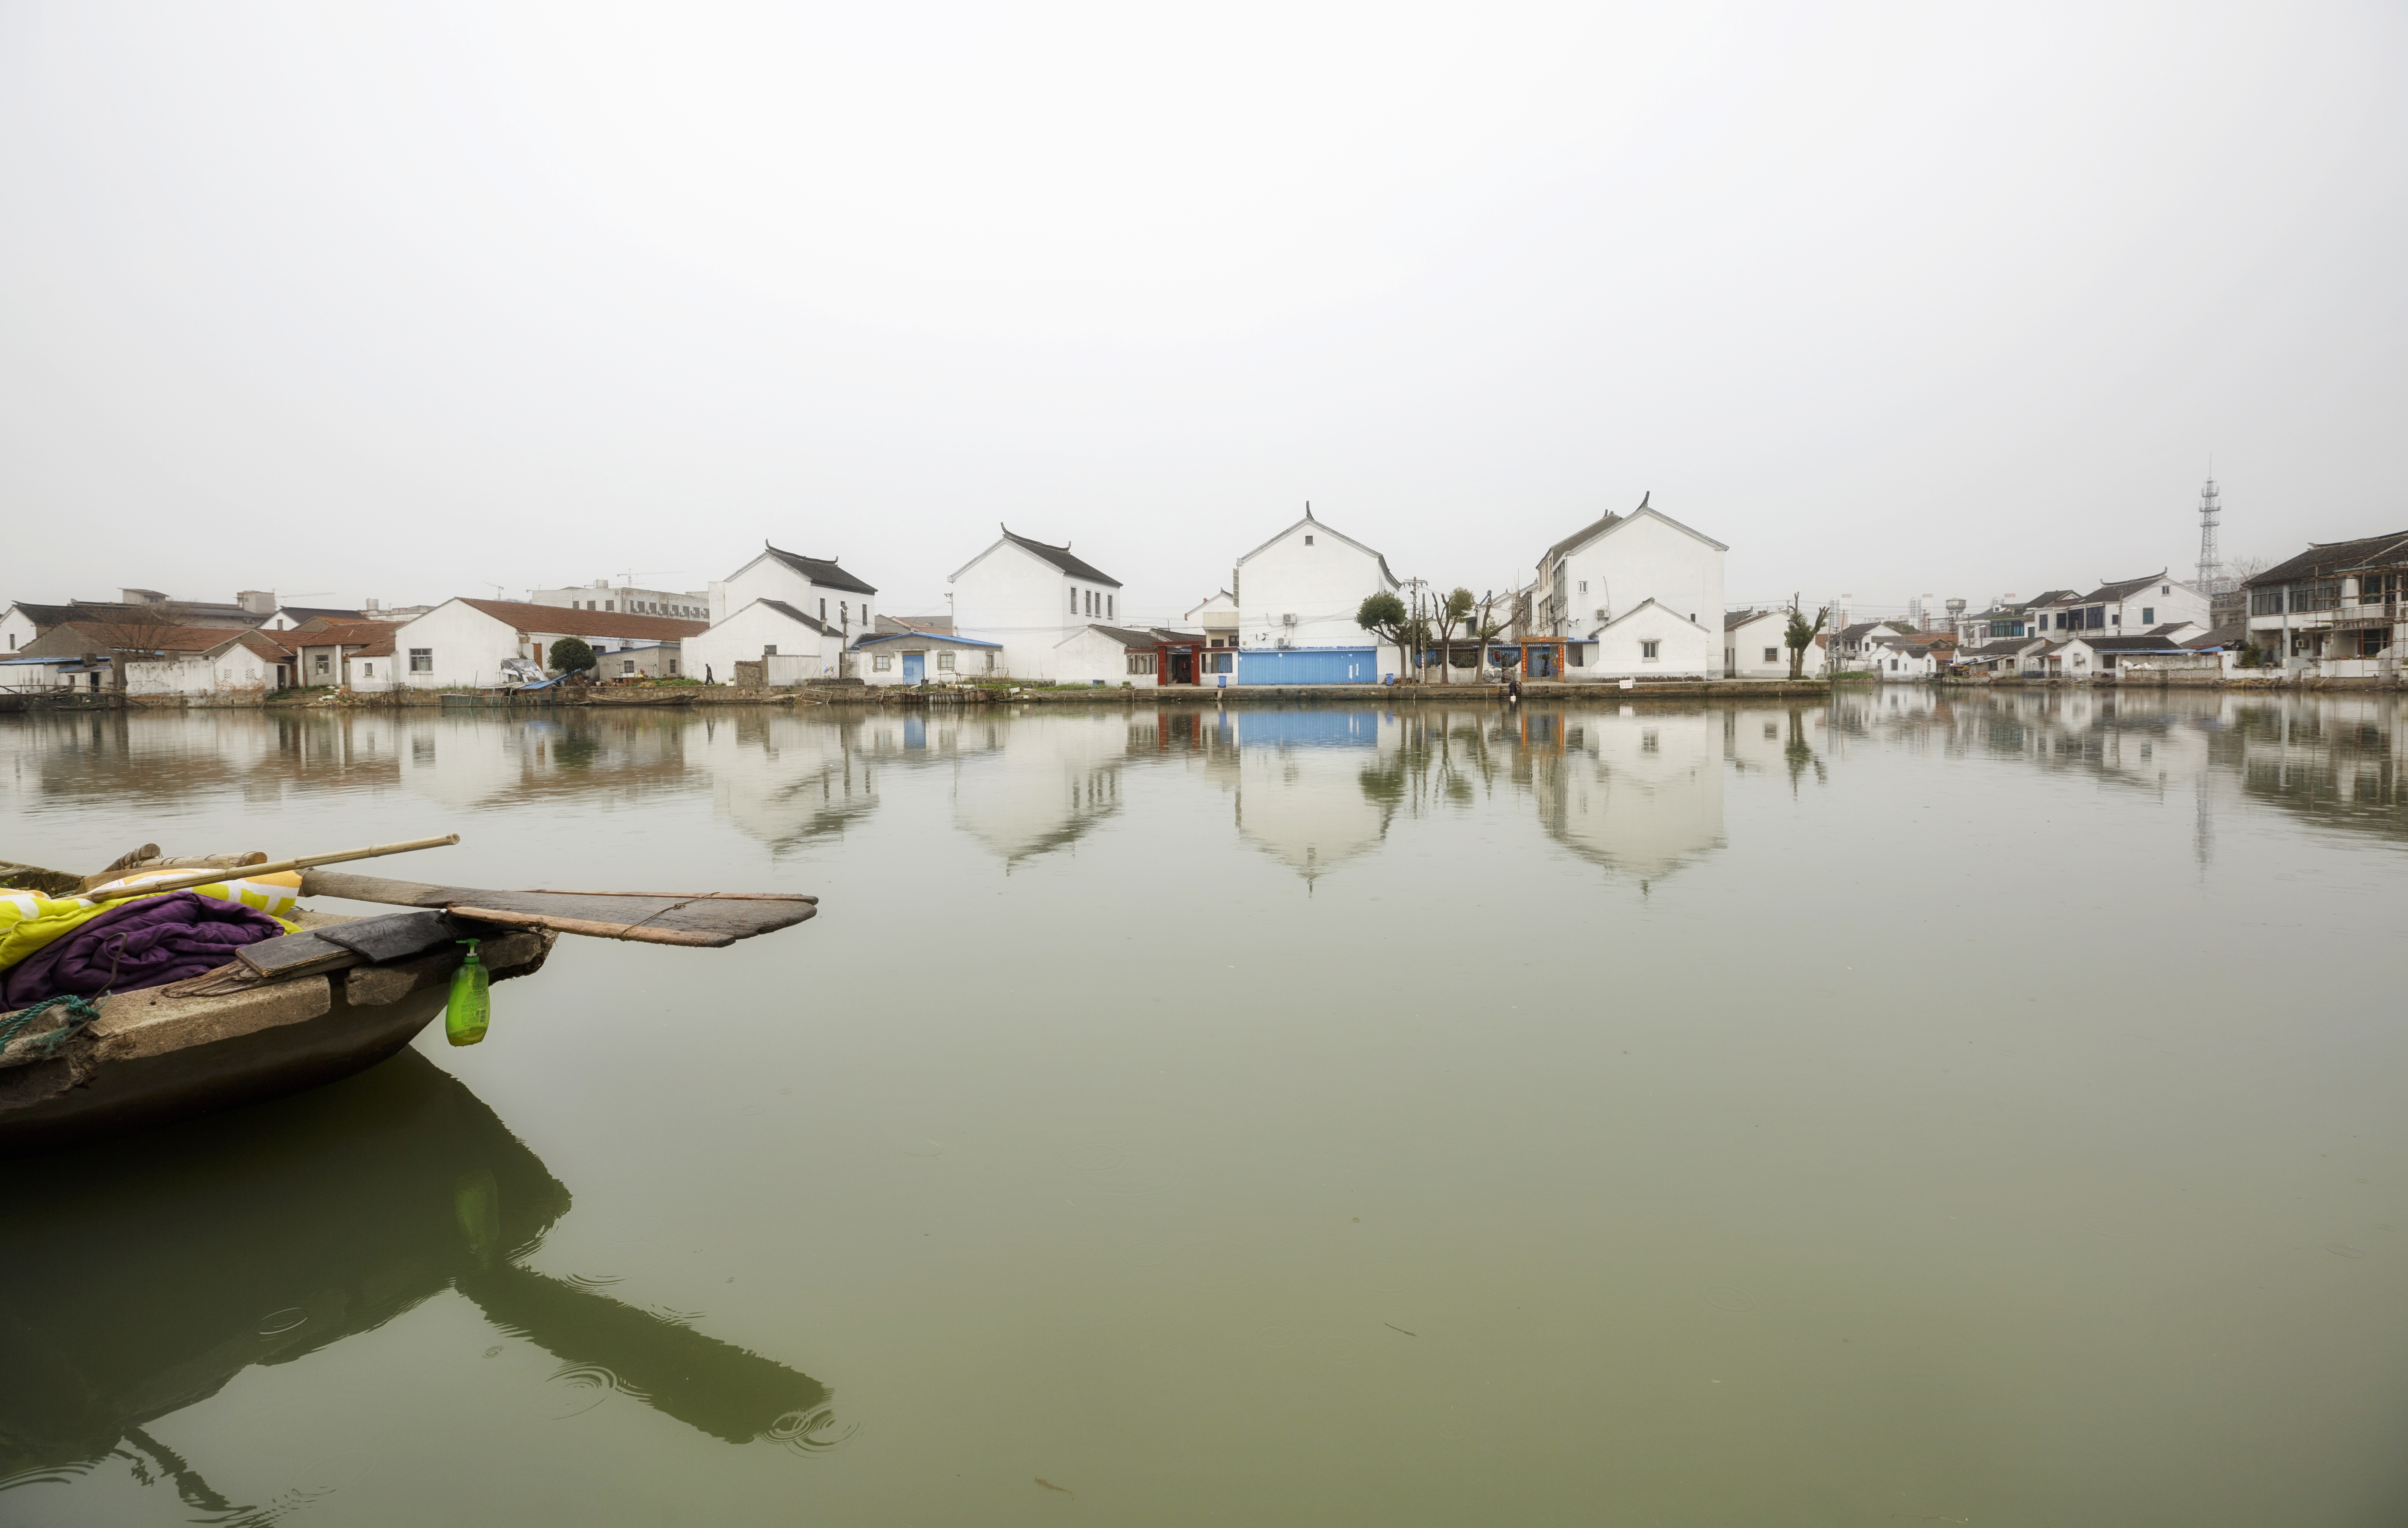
[(1109, 607), (1647, 650), (626, 665), (2164, 588), (611, 605), (2148, 615), (367, 671), (883, 662), (322, 663), (1140, 662), (1773, 655), (945, 662), (422, 660), (771, 651), (823, 612), (1074, 602), (672, 665), (1307, 541)]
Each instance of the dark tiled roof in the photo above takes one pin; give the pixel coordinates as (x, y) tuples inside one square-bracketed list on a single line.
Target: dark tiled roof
[(813, 621), (74, 638), (567, 622), (2333, 556), (820, 571), (2222, 637), (1593, 528), (2131, 644), (2109, 594), (312, 612), (927, 625), (320, 632), (1127, 637), (44, 617), (1060, 557)]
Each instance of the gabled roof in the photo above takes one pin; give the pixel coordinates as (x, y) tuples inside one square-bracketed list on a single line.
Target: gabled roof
[(792, 614), (302, 614), (73, 639), (2114, 592), (1626, 615), (2129, 644), (1863, 628), (319, 632), (948, 639), (557, 619), (819, 570), (2005, 646), (1734, 620), (1048, 554), (44, 617), (1589, 533), (1376, 554), (930, 626), (2333, 556), (1121, 634), (2222, 637)]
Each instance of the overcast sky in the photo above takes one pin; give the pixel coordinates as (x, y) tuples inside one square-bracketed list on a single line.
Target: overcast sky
[(418, 299)]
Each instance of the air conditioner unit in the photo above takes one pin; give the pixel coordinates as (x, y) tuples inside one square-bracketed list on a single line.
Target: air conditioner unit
[(1600, 612), (1282, 642), (1288, 619)]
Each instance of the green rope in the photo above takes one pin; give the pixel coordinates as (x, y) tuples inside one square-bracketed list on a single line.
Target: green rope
[(79, 1011)]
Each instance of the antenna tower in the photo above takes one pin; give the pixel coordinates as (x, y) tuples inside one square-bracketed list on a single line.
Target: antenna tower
[(2211, 563)]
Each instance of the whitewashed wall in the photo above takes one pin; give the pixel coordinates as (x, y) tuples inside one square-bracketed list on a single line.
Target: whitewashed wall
[(467, 648), (16, 630), (742, 637), (1087, 656), (1320, 578), (238, 670), (1641, 558), (1016, 599), (969, 663), (1748, 642), (1683, 648), (767, 579)]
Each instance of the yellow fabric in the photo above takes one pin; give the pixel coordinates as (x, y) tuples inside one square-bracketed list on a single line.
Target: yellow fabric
[(29, 921)]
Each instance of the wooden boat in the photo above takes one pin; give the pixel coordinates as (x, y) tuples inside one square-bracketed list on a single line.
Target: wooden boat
[(336, 998)]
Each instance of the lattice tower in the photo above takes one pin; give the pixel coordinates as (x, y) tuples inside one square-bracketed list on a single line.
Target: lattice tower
[(2211, 562)]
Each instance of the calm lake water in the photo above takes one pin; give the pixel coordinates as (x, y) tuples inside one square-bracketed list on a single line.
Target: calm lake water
[(1927, 1111)]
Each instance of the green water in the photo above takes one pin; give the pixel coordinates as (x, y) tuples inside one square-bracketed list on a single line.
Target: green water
[(1984, 1111)]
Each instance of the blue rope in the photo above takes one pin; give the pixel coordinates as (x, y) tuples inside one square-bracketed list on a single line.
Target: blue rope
[(81, 1012)]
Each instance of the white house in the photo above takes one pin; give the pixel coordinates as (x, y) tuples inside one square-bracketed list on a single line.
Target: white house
[(763, 629), (1217, 618), (2128, 608), (1026, 597), (923, 657), (1106, 655), (1901, 656), (1302, 588), (1597, 584), (1753, 649), (465, 642), (816, 586), (197, 661)]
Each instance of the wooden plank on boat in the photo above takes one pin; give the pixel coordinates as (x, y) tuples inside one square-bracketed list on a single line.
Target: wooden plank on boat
[(706, 920)]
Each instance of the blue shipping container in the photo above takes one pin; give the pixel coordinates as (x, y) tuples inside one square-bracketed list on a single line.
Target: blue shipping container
[(1308, 666)]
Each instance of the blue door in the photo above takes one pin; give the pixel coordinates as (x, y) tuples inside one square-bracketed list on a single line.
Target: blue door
[(915, 667)]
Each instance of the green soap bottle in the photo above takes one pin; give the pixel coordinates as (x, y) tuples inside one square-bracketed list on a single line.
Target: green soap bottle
[(469, 1010)]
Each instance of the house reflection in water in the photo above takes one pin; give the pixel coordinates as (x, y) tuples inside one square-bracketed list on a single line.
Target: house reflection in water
[(1308, 784), (1638, 793), (784, 779), (1053, 783), (168, 1264)]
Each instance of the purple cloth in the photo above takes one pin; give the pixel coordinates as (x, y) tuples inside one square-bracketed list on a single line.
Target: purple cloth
[(146, 942)]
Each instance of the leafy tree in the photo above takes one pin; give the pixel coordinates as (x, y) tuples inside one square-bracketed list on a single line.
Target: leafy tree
[(570, 655), (1800, 635), (1383, 616)]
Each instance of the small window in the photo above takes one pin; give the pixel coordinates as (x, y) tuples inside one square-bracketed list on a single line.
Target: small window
[(1773, 655), (823, 611), (322, 663), (1074, 602), (422, 660), (945, 663), (1584, 583), (611, 605), (1140, 662), (672, 665), (367, 671), (626, 665), (1308, 539), (883, 662), (1108, 608), (2164, 588), (771, 651), (2148, 615), (1648, 651)]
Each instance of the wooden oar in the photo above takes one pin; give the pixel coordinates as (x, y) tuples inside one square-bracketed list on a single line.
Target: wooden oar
[(203, 877), (708, 918)]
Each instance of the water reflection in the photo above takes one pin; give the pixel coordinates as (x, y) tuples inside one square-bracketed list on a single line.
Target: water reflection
[(153, 1272)]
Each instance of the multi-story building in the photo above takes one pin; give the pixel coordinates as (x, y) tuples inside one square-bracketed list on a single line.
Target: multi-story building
[(2335, 611), (1028, 598), (625, 599), (2128, 608), (1299, 593), (1634, 596)]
